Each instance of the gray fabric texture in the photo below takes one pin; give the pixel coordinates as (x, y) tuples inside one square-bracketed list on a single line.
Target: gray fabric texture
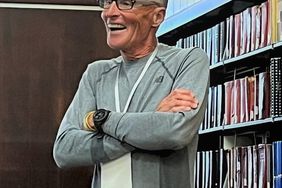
[(163, 144)]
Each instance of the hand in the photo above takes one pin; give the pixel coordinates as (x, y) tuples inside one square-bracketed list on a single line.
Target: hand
[(178, 100), (88, 123)]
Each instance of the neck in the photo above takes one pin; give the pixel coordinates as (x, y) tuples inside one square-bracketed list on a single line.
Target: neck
[(138, 53)]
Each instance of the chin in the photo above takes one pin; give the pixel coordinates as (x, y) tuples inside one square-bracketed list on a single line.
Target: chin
[(115, 45)]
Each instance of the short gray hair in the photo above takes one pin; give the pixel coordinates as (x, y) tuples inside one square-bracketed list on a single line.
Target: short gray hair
[(161, 2)]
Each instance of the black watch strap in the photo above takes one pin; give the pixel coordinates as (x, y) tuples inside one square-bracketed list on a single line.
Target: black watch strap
[(99, 118)]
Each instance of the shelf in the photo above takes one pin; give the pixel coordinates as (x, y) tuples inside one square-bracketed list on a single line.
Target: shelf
[(247, 124), (198, 17), (237, 126), (211, 130), (248, 55)]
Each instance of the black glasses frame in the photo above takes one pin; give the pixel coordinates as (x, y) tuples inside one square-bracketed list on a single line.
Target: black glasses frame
[(101, 4)]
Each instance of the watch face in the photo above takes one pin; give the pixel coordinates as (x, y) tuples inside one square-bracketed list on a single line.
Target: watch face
[(100, 115)]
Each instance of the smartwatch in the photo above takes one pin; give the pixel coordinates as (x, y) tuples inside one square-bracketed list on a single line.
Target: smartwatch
[(99, 118)]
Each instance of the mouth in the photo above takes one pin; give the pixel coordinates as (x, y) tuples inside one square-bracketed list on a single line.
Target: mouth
[(116, 27)]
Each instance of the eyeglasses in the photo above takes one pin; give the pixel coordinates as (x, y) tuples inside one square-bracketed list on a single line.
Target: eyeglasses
[(123, 4)]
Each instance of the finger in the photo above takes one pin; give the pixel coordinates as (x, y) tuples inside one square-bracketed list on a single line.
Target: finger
[(184, 95), (176, 97), (184, 91), (167, 106), (180, 109), (184, 103)]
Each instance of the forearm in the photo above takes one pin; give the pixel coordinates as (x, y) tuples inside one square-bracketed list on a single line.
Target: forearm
[(155, 130), (74, 147)]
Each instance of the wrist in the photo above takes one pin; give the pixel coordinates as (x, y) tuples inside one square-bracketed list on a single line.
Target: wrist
[(99, 118), (88, 123)]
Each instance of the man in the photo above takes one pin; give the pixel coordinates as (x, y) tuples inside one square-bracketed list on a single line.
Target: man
[(135, 117)]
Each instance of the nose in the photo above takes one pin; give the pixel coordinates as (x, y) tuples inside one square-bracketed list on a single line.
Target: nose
[(112, 10)]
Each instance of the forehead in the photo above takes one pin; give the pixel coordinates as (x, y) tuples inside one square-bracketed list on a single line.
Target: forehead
[(161, 2), (157, 1)]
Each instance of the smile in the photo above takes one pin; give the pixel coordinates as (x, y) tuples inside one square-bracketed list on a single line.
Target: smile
[(116, 27)]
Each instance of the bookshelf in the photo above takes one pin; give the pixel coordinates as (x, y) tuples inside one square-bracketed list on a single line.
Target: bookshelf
[(257, 133), (199, 16)]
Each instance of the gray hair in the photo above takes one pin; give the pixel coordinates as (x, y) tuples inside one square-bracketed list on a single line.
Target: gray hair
[(161, 2)]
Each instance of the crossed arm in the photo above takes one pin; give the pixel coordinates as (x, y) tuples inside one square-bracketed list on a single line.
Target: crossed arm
[(76, 147), (179, 100), (164, 129)]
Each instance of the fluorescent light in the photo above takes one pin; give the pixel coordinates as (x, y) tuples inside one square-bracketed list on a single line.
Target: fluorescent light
[(50, 6)]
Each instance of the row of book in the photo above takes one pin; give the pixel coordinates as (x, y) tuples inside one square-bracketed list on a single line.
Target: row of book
[(237, 101), (253, 28), (246, 99), (256, 166)]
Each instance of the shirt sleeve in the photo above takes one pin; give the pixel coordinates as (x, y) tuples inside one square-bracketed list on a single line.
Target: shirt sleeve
[(165, 130), (76, 147)]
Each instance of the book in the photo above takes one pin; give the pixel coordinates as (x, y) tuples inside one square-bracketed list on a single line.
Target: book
[(262, 166), (254, 10), (237, 34), (279, 20), (278, 157), (228, 101), (232, 167), (256, 97), (231, 36), (275, 84), (209, 44), (264, 24), (274, 16), (269, 31), (198, 170), (228, 159), (223, 167), (243, 100), (255, 166), (215, 106), (237, 104), (277, 182), (220, 104), (210, 108), (222, 38), (238, 158), (247, 20), (211, 168), (251, 97), (207, 168), (244, 166), (215, 169), (250, 166), (268, 165), (263, 95), (258, 28), (203, 169), (227, 35)]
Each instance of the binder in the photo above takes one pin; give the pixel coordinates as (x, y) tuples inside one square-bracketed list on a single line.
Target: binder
[(276, 89)]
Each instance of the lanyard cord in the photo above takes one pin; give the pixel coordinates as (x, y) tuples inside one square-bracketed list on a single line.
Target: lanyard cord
[(117, 99)]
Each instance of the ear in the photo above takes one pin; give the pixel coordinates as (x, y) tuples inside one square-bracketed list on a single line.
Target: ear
[(158, 17)]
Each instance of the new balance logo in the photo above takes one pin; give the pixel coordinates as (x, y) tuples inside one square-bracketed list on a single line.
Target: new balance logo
[(159, 79)]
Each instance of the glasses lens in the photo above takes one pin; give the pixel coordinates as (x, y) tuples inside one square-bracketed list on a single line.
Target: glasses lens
[(105, 3), (121, 4), (125, 4)]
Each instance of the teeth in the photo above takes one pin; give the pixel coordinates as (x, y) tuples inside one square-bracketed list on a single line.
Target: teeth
[(116, 26)]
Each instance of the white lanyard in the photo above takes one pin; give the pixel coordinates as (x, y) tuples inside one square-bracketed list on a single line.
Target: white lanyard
[(117, 100)]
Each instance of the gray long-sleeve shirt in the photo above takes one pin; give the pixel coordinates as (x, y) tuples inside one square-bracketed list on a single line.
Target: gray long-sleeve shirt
[(163, 144)]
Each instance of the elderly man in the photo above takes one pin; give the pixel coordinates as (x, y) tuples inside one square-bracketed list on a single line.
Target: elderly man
[(135, 117)]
